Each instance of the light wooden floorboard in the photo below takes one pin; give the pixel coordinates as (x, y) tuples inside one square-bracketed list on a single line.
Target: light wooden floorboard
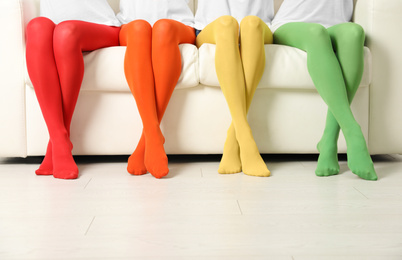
[(196, 213)]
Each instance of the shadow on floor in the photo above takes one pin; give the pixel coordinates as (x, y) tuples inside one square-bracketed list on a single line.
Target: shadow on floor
[(192, 158)]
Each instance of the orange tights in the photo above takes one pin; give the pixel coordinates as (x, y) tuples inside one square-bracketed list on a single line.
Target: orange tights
[(152, 67)]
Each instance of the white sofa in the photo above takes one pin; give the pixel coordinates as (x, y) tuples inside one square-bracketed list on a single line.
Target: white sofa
[(287, 114)]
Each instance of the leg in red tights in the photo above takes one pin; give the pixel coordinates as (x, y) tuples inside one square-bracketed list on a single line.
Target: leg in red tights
[(43, 72), (153, 67), (55, 65)]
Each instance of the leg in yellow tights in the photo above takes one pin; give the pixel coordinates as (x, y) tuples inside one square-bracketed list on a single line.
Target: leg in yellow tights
[(239, 76), (254, 33)]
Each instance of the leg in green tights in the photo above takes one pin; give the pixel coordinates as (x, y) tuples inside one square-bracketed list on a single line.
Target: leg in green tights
[(224, 32), (348, 41), (336, 89)]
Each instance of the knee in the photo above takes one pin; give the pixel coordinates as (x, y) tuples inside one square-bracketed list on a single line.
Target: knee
[(163, 26), (317, 35), (164, 29), (133, 30), (66, 35), (354, 31), (226, 29), (227, 23), (39, 25), (138, 27), (252, 23), (317, 31)]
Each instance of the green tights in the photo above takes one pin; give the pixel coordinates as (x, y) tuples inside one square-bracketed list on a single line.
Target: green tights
[(335, 62)]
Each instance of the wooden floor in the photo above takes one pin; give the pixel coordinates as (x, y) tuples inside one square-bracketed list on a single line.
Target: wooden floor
[(195, 213)]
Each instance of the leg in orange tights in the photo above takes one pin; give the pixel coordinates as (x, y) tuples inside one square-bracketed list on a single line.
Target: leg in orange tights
[(56, 67), (152, 66)]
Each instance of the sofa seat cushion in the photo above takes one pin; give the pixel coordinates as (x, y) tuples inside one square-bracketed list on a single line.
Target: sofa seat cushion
[(286, 68), (104, 69)]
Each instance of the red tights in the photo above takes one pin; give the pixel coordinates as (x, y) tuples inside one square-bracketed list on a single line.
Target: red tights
[(56, 68), (152, 66)]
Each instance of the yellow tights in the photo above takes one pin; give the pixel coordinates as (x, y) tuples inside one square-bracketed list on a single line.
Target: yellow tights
[(239, 72)]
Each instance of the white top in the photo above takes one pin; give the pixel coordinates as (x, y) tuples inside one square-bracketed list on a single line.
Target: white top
[(153, 10), (94, 11), (210, 10), (324, 12)]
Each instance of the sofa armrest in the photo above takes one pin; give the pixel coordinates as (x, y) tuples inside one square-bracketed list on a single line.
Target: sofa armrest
[(30, 10), (382, 21), (12, 86)]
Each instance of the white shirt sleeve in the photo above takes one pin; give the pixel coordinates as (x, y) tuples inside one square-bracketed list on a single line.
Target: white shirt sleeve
[(210, 10), (154, 10), (324, 12), (94, 11)]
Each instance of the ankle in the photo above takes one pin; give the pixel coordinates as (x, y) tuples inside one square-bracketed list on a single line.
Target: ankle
[(327, 144), (154, 136)]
